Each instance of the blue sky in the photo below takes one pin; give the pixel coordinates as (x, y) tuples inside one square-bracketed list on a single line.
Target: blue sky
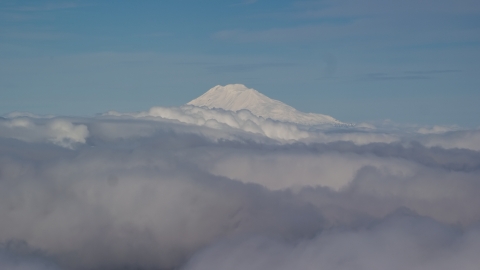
[(411, 61)]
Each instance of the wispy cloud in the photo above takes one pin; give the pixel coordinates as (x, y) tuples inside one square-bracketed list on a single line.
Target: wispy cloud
[(380, 76), (352, 8), (245, 3), (408, 75), (36, 35), (288, 34), (247, 67), (44, 7), (433, 71), (429, 22)]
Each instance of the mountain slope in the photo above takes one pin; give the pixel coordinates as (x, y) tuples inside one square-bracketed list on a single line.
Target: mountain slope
[(235, 97)]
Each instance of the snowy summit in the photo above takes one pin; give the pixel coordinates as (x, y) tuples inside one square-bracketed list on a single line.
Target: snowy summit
[(235, 97)]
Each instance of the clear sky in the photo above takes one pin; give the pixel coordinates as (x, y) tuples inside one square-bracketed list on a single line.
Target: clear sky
[(411, 61)]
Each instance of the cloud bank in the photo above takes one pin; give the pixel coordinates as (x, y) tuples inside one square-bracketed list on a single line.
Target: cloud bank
[(197, 188)]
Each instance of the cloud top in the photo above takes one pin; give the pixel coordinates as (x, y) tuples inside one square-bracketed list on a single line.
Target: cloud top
[(196, 188)]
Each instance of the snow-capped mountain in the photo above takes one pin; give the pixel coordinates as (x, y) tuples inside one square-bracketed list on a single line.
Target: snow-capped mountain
[(235, 97)]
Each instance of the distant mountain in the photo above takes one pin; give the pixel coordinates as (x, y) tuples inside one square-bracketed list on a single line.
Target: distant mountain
[(235, 97)]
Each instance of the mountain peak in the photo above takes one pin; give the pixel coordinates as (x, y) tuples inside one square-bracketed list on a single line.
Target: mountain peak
[(235, 97), (232, 87)]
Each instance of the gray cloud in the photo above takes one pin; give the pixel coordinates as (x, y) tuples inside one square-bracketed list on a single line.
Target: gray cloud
[(17, 255), (147, 191), (400, 241), (107, 207)]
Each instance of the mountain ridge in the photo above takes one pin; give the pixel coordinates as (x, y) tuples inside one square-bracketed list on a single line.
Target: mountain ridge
[(235, 97)]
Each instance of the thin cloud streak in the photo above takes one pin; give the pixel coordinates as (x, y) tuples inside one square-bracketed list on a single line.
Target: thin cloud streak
[(46, 7)]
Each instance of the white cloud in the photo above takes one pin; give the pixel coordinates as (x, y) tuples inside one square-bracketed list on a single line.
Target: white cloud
[(435, 129), (220, 119), (64, 133), (467, 139), (59, 131)]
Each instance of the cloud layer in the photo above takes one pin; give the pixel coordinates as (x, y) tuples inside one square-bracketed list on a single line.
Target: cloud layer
[(193, 188), (400, 241)]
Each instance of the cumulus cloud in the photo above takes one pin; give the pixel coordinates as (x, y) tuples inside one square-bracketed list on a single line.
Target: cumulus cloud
[(242, 120), (59, 131), (194, 188)]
